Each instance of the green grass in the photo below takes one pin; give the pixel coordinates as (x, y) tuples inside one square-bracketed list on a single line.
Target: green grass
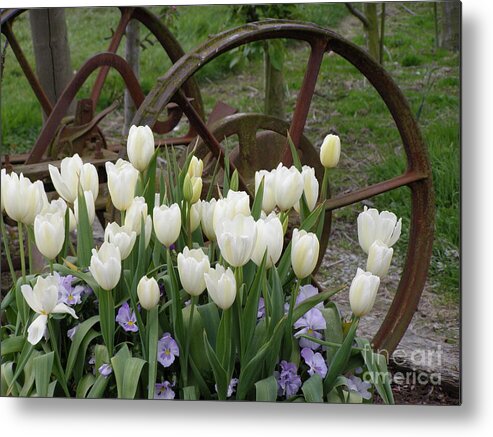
[(343, 103)]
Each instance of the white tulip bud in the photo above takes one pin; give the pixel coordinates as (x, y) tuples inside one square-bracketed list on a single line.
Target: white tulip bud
[(89, 179), (22, 199), (379, 259), (236, 238), (122, 179), (304, 253), (289, 187), (221, 285), (330, 151), (140, 146), (148, 292), (136, 213), (195, 168), (207, 218), (269, 197), (60, 206), (106, 266), (148, 230), (49, 234), (236, 202), (90, 206), (195, 216), (167, 223), (196, 189), (363, 292), (122, 237), (66, 180), (192, 265), (270, 237), (373, 226), (310, 188)]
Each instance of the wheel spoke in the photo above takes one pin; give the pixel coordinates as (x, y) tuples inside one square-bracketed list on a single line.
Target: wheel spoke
[(373, 190), (113, 47), (201, 128), (305, 95)]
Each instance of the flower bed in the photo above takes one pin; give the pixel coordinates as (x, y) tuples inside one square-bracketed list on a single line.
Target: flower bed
[(132, 318)]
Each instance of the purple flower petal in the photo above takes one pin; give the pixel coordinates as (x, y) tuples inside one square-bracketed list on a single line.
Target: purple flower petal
[(167, 350), (126, 318), (71, 332), (261, 308), (357, 385), (288, 380), (314, 361), (105, 370), (163, 391)]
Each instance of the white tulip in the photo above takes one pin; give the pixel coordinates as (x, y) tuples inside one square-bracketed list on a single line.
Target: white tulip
[(270, 237), (43, 299), (195, 168), (22, 199), (363, 292), (148, 292), (89, 179), (140, 146), (195, 216), (122, 179), (49, 234), (122, 237), (310, 188), (221, 286), (330, 151), (304, 253), (66, 180), (148, 230), (236, 238), (373, 226), (207, 218), (379, 259), (236, 202), (136, 212), (289, 187), (196, 189), (90, 207), (106, 266), (167, 223), (192, 265), (269, 197), (60, 206)]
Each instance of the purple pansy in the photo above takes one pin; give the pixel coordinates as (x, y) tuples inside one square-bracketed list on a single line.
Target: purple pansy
[(314, 361), (288, 380), (163, 390), (126, 318), (306, 292), (357, 385), (309, 323), (231, 387), (261, 308), (105, 370), (72, 296), (167, 350), (71, 332)]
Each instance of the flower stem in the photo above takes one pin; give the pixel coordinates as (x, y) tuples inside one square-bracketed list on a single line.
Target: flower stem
[(58, 362), (51, 266), (30, 237), (7, 250), (21, 251), (189, 336)]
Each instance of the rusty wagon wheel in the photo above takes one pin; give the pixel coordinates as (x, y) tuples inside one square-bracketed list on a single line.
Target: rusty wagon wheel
[(85, 128), (417, 176)]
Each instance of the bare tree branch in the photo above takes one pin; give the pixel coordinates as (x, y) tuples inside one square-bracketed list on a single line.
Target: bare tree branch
[(358, 14)]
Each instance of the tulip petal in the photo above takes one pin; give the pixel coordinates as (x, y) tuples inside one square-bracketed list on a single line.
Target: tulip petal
[(61, 308), (37, 329), (30, 298)]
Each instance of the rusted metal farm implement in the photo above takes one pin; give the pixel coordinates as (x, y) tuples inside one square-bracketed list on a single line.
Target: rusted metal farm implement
[(262, 139)]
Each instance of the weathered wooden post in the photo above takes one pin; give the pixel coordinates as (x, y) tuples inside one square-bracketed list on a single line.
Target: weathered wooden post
[(51, 51)]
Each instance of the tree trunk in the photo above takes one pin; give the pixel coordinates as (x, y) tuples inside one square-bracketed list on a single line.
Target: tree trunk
[(132, 52), (51, 51), (274, 88), (372, 30), (450, 37)]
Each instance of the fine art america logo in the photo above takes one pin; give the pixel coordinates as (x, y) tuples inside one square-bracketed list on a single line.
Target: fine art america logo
[(416, 367)]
